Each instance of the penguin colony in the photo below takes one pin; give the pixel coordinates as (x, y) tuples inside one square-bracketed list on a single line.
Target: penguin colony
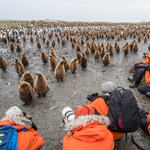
[(84, 41)]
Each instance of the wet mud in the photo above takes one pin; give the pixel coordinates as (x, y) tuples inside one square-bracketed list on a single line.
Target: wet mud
[(46, 111)]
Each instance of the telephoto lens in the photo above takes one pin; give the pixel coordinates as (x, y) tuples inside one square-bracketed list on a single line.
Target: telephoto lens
[(68, 114)]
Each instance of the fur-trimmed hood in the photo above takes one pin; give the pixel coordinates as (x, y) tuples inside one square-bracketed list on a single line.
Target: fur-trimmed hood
[(85, 120), (18, 121)]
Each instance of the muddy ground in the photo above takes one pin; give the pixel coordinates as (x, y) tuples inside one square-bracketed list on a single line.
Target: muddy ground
[(72, 91)]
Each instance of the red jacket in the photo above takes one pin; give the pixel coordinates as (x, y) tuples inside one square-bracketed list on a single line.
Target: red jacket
[(87, 133), (100, 106), (147, 60), (148, 120), (28, 140)]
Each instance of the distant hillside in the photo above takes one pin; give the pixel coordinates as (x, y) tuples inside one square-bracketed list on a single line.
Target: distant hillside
[(49, 20)]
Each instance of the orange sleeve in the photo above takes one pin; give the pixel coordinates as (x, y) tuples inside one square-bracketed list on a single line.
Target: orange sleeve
[(147, 60), (148, 120), (117, 135), (100, 106), (147, 77)]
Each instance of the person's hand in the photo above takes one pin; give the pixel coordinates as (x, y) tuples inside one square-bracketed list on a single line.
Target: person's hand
[(28, 116)]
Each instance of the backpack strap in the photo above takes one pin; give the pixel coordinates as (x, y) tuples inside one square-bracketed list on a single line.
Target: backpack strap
[(22, 130), (138, 146)]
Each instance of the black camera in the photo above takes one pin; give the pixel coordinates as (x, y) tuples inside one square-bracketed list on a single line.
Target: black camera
[(144, 55), (92, 97)]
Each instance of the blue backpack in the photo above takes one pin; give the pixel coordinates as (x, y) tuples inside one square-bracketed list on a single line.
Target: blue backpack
[(8, 137)]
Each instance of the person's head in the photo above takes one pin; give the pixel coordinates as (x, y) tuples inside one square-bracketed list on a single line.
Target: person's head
[(14, 114), (108, 87)]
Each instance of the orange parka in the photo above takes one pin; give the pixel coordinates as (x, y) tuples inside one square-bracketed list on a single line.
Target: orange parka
[(147, 60), (100, 106), (90, 136), (147, 77), (26, 140), (148, 120)]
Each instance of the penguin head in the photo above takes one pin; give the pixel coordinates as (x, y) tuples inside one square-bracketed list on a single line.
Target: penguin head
[(23, 84), (39, 74), (27, 73), (16, 59)]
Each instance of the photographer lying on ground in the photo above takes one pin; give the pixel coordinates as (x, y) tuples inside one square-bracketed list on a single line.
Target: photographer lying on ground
[(17, 131), (143, 70)]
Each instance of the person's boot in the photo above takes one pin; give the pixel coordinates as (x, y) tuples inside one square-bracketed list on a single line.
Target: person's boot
[(147, 94), (130, 79), (133, 85)]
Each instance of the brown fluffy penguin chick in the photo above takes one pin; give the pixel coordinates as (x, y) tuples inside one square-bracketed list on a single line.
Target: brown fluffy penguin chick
[(97, 54), (27, 76), (73, 44), (111, 50), (78, 55), (53, 43), (106, 59), (58, 39), (78, 48), (87, 50), (18, 40), (126, 50), (92, 48), (26, 92), (88, 44), (19, 67), (38, 44), (18, 49), (60, 71), (82, 41), (24, 38), (47, 42), (73, 66), (83, 61), (12, 47), (53, 53), (118, 48), (115, 44), (139, 38), (148, 47), (145, 39), (24, 60), (53, 62), (135, 47), (37, 39), (44, 57), (43, 38), (65, 63), (41, 86), (3, 63), (31, 38), (102, 52)]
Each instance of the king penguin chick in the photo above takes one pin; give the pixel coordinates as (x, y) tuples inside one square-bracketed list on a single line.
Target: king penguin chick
[(83, 61), (3, 63), (60, 71), (31, 38), (78, 55), (65, 63), (106, 59), (27, 76), (53, 43), (53, 62), (41, 86), (26, 92), (44, 57), (19, 67), (97, 54), (24, 38), (53, 53), (18, 49), (126, 50), (102, 52), (73, 66), (47, 42), (24, 60), (87, 50), (12, 47), (38, 45), (118, 48)]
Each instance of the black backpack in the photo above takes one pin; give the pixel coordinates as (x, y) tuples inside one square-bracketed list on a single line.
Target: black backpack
[(123, 111)]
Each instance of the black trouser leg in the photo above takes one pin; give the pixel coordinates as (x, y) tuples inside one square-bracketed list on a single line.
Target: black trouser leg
[(138, 75), (144, 89), (143, 122)]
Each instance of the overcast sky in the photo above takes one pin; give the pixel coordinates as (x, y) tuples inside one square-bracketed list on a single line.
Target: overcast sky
[(76, 10)]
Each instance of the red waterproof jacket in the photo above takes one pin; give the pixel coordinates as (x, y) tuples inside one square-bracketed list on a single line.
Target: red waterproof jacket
[(91, 136), (147, 60), (27, 140)]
